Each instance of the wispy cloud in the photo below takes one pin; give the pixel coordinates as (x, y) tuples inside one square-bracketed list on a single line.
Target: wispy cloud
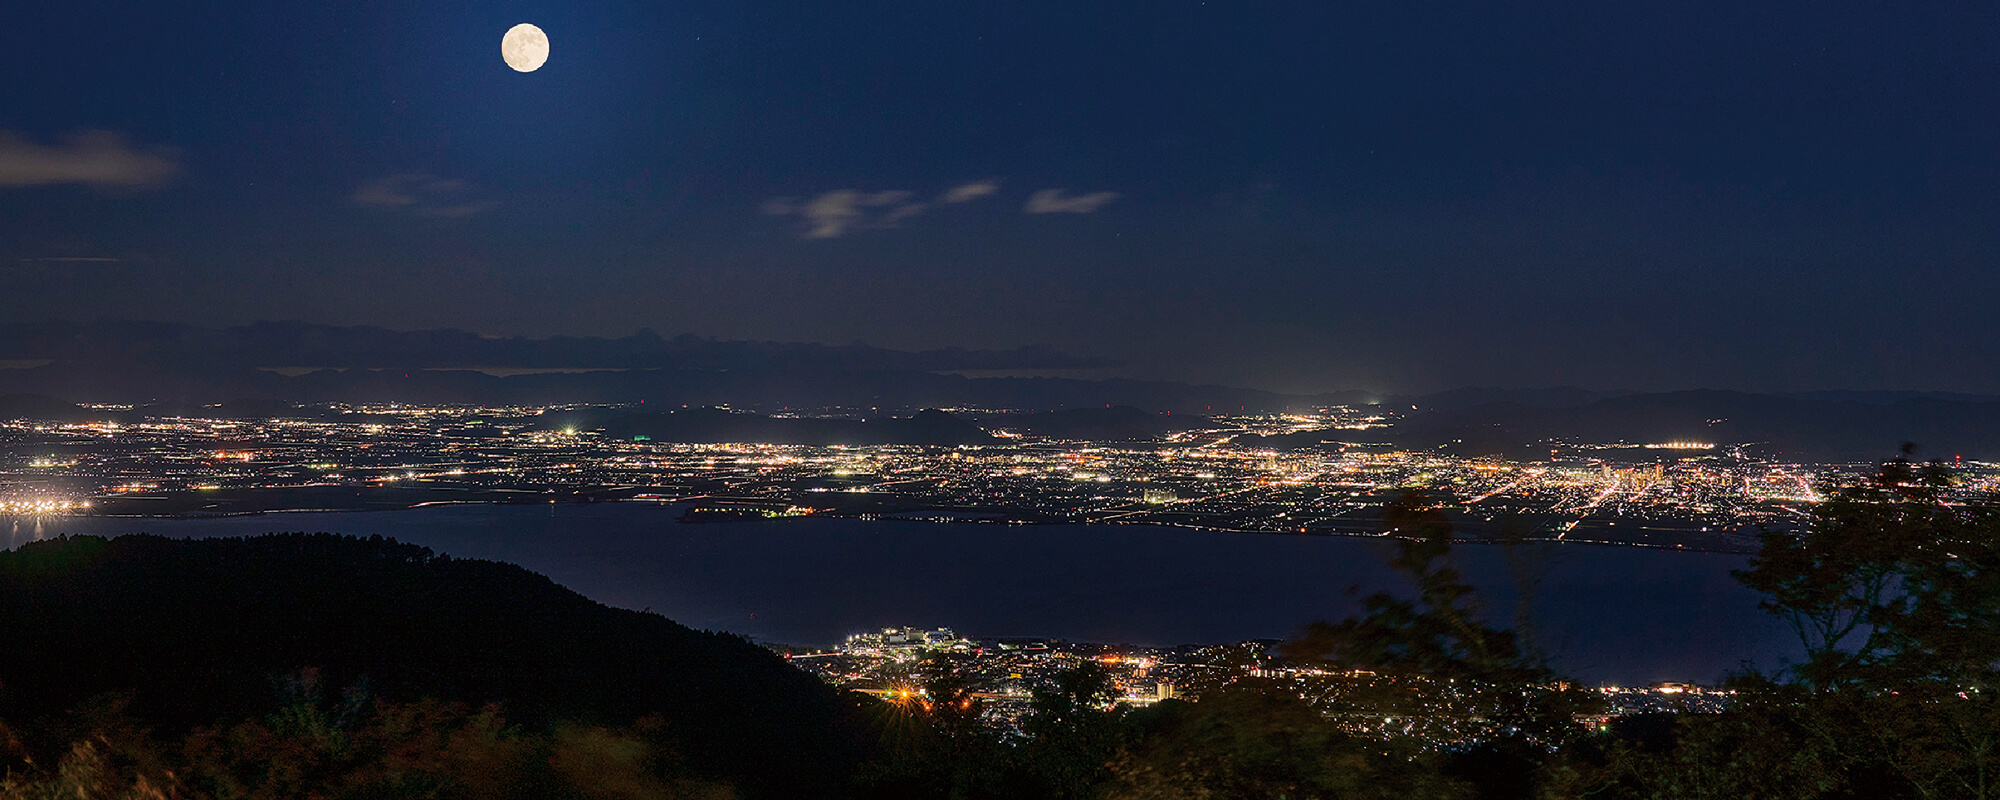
[(901, 212), (95, 158), (421, 194), (969, 192), (1052, 201), (837, 212), (70, 259), (833, 214)]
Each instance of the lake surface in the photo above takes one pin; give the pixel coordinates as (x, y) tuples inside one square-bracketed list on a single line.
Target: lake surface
[(1608, 614)]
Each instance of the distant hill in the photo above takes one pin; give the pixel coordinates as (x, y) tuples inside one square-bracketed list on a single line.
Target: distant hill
[(1301, 440), (1115, 423), (1790, 427), (39, 407), (304, 344), (769, 388), (235, 408), (1887, 397), (713, 425), (1472, 397), (48, 409), (134, 362), (197, 631)]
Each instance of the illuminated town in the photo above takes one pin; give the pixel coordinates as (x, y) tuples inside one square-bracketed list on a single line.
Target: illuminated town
[(899, 664), (1691, 495), (1687, 495)]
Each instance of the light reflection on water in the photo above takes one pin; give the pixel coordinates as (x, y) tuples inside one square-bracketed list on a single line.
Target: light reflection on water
[(25, 528), (1614, 614)]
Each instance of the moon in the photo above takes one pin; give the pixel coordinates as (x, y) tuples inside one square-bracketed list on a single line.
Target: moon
[(525, 48)]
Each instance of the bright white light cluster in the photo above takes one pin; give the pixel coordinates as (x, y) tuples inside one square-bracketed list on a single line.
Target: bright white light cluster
[(41, 506)]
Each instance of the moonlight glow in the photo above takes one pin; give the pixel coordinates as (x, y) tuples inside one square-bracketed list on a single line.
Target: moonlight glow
[(525, 48)]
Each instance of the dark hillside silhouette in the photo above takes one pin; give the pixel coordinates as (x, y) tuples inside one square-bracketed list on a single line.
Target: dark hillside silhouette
[(1111, 423), (198, 632), (713, 425), (1806, 429), (303, 344), (40, 407)]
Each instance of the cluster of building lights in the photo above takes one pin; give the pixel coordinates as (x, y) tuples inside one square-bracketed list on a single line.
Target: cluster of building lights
[(41, 506)]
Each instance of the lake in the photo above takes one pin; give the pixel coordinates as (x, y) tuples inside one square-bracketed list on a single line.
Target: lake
[(1607, 614)]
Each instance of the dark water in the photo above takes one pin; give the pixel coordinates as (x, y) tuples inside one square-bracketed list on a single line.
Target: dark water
[(1609, 614)]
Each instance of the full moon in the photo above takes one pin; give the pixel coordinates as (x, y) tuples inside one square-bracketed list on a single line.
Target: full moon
[(525, 47)]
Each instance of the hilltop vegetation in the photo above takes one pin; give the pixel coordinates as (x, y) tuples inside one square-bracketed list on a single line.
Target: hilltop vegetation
[(195, 635)]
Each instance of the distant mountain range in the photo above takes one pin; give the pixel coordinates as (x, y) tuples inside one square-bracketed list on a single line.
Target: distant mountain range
[(255, 371), (292, 344), (927, 427), (151, 362), (711, 425), (121, 382), (1805, 428), (1111, 423)]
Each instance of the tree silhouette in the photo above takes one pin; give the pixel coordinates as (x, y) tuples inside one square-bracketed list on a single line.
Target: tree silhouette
[(1431, 655), (1262, 740), (1074, 730), (1895, 596)]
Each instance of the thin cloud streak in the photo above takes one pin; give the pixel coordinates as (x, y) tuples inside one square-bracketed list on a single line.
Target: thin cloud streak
[(421, 194), (833, 214), (901, 212), (92, 158), (970, 192), (1052, 201), (830, 215)]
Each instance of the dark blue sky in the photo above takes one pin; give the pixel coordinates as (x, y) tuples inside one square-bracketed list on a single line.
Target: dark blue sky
[(1395, 196)]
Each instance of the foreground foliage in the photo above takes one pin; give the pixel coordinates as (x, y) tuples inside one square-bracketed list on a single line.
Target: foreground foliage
[(310, 750), (203, 635), (1894, 593), (1895, 596)]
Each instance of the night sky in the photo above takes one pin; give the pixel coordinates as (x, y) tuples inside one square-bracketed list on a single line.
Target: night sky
[(1396, 196)]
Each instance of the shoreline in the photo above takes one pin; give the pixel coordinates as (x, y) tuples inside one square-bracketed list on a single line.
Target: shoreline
[(1620, 614), (913, 516)]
